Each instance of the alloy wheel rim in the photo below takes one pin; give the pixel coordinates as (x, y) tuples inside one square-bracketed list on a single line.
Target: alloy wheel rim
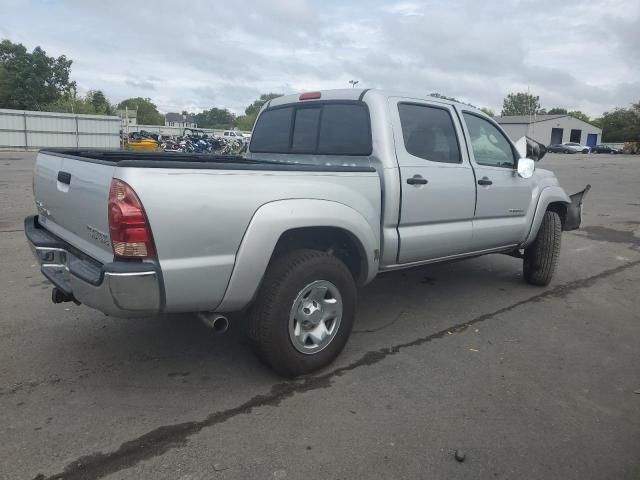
[(315, 317)]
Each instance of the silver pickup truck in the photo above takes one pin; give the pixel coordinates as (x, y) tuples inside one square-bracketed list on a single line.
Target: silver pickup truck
[(337, 186)]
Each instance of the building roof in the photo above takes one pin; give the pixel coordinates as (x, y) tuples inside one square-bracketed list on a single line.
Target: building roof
[(178, 117), (528, 118)]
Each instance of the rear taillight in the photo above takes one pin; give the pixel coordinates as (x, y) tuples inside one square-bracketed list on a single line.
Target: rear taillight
[(128, 224)]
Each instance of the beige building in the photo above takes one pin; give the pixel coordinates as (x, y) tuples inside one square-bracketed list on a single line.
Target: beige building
[(551, 129)]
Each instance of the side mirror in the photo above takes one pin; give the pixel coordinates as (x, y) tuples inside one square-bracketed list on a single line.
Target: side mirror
[(526, 167), (528, 147)]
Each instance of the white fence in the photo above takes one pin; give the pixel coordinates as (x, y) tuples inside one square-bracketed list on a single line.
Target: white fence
[(23, 129)]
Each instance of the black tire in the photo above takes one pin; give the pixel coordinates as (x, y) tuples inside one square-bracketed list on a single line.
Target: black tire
[(268, 318), (541, 257)]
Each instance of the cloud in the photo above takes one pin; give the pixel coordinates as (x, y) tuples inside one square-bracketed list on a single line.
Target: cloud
[(572, 54), (141, 84)]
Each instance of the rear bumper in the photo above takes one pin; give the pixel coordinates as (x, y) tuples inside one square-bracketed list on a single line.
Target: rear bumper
[(123, 289)]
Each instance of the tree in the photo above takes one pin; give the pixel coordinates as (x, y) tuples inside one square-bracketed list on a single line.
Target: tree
[(246, 121), (557, 111), (488, 111), (147, 111), (29, 81), (99, 102), (521, 103), (216, 118), (255, 107), (94, 102), (621, 125), (581, 116)]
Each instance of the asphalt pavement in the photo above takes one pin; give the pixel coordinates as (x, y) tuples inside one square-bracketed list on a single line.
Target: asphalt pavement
[(526, 382)]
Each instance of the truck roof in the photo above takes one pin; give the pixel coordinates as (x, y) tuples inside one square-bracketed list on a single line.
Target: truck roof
[(358, 94)]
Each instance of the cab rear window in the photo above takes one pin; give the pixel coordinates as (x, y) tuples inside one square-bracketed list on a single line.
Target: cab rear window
[(322, 128)]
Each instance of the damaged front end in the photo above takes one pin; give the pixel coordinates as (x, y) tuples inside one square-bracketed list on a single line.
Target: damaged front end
[(574, 210)]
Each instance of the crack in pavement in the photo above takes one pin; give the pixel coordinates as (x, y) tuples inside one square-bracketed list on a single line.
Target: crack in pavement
[(165, 438)]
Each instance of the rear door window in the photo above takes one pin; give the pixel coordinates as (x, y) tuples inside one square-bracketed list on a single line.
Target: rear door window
[(429, 133)]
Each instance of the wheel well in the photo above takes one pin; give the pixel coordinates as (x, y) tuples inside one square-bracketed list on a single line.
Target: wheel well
[(561, 209), (334, 240)]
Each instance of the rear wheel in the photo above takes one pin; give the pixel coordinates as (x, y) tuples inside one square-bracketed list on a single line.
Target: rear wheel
[(541, 257), (304, 312)]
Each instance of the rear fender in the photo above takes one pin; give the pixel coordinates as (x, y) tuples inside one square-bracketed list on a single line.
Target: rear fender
[(274, 219)]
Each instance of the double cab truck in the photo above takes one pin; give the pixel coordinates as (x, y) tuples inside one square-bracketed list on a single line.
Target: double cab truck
[(337, 187)]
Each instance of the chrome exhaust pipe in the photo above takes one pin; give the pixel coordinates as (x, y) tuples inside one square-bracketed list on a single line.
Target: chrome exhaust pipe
[(216, 322)]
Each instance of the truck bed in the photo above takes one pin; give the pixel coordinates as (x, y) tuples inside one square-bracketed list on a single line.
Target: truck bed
[(124, 158), (198, 207)]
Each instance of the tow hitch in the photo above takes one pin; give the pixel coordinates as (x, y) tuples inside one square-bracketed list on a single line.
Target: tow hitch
[(59, 296)]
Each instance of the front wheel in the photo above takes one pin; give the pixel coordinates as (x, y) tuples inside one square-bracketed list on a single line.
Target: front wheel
[(304, 312), (541, 257)]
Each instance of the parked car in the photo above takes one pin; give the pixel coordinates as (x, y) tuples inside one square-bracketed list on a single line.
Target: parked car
[(602, 148), (573, 147), (558, 148), (233, 134), (289, 233)]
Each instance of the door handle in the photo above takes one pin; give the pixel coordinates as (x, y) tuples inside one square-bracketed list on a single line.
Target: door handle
[(64, 177), (485, 181), (417, 180)]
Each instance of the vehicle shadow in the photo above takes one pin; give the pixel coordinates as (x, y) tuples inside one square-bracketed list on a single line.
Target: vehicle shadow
[(181, 353)]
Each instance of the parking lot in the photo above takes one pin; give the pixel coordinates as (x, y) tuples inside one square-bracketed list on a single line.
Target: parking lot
[(528, 382)]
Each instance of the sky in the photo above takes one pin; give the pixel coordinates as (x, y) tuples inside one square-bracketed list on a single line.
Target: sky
[(194, 55)]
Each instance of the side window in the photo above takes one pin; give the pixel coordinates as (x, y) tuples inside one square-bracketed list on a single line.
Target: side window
[(305, 130), (490, 146), (271, 133), (429, 133)]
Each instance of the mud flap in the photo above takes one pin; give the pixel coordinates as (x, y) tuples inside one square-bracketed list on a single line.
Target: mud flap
[(574, 210)]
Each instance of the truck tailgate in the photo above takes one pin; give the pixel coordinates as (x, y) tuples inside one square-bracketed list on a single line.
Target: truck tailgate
[(72, 196)]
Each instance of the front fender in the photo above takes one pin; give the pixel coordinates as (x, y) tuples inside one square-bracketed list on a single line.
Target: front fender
[(267, 226), (548, 195)]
